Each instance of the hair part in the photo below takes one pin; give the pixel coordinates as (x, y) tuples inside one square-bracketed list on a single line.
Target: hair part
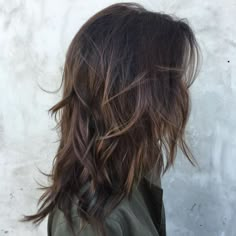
[(125, 101)]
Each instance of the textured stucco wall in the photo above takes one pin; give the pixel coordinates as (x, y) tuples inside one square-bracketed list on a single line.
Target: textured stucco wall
[(33, 40)]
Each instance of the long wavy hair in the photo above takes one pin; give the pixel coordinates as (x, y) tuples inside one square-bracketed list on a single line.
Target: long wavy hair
[(124, 109)]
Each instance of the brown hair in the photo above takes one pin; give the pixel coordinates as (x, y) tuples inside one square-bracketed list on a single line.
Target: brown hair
[(125, 100)]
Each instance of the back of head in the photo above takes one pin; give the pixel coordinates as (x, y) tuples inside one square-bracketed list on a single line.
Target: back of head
[(125, 101)]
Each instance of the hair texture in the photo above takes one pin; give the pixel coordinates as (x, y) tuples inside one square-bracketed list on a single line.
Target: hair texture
[(125, 101)]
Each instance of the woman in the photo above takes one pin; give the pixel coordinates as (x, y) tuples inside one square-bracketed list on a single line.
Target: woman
[(125, 102)]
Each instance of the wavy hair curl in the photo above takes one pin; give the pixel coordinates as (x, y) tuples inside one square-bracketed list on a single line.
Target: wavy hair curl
[(125, 101)]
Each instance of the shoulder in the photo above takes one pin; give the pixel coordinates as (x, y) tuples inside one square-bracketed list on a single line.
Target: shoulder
[(57, 226), (134, 217)]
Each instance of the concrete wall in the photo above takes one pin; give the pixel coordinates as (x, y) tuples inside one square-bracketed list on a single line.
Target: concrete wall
[(33, 40)]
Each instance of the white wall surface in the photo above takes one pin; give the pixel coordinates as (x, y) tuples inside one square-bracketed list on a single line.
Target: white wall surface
[(34, 36)]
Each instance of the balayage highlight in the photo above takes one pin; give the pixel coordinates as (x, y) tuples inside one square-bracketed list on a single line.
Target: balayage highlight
[(125, 101)]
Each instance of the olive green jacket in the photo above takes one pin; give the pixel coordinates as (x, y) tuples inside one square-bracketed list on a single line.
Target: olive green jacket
[(142, 215)]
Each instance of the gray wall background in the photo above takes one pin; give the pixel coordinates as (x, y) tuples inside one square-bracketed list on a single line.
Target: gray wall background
[(34, 36)]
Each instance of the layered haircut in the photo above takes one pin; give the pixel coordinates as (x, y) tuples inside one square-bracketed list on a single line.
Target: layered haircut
[(124, 109)]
